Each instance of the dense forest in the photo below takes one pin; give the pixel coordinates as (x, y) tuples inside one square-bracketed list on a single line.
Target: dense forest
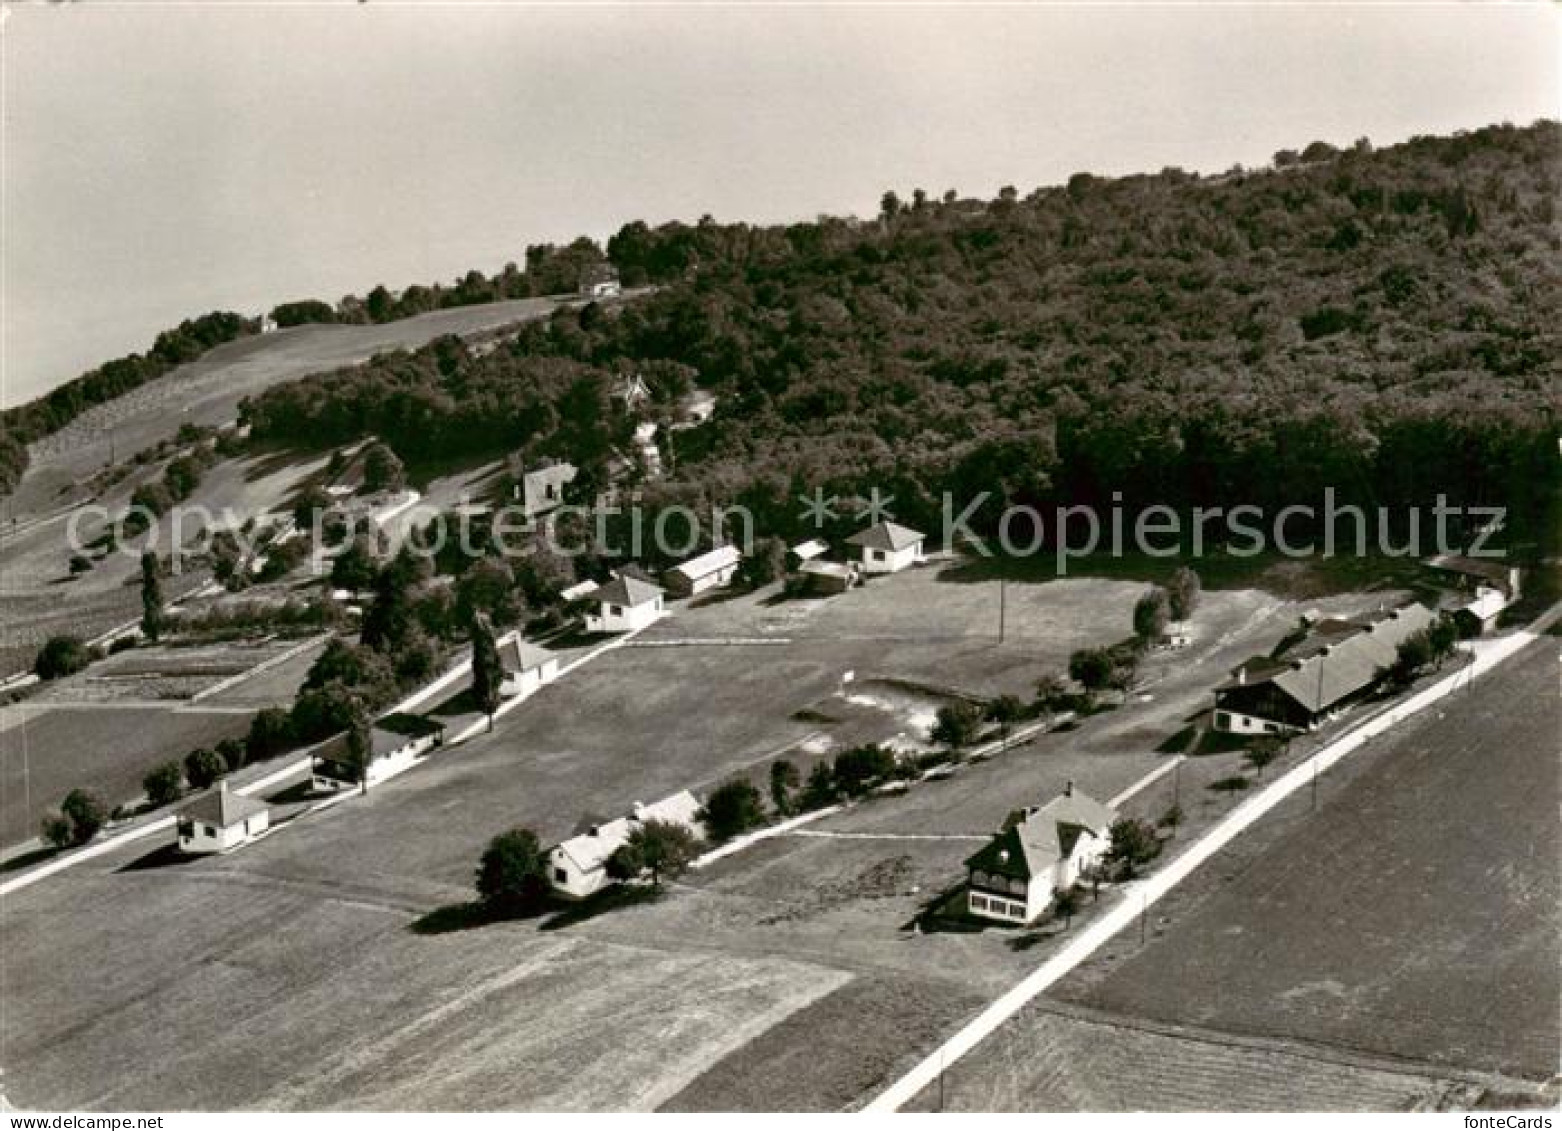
[(1383, 322)]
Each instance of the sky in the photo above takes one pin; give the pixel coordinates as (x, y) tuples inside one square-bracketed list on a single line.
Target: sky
[(160, 160)]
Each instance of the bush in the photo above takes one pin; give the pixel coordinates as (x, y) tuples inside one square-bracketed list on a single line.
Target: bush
[(203, 767), (62, 656), (956, 725), (56, 830), (511, 874), (121, 644), (859, 769), (86, 813), (1134, 843), (732, 808), (270, 733), (164, 784), (661, 849)]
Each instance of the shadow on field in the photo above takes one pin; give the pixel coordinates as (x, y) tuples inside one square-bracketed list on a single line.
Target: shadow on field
[(28, 859), (476, 914), (163, 856)]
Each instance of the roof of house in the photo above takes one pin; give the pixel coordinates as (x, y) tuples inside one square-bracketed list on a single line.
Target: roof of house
[(628, 590), (518, 654), (1491, 569), (382, 743), (1032, 841), (1335, 662), (577, 591), (887, 536), (813, 548), (590, 850), (223, 808), (712, 561)]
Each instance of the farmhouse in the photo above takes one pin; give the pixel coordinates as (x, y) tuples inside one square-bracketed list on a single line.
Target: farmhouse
[(541, 490), (707, 571), (1038, 852), (825, 577), (577, 867), (625, 604), (395, 742), (221, 821), (1336, 664), (526, 666), (887, 547), (1478, 615)]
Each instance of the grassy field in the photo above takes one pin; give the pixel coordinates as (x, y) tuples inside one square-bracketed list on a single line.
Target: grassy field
[(1052, 1060), (45, 752), (797, 945), (1414, 915)]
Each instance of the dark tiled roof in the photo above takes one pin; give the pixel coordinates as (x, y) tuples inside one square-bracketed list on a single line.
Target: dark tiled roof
[(628, 591), (222, 807)]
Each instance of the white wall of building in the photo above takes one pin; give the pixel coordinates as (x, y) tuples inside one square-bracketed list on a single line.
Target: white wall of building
[(890, 561)]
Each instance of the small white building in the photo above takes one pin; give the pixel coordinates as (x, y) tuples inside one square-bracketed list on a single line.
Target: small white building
[(526, 666), (1036, 854), (395, 743), (541, 490), (221, 821), (625, 604), (577, 867), (710, 570), (887, 547), (579, 591)]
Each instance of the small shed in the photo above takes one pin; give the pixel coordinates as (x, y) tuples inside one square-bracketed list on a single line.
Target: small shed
[(221, 821), (709, 570), (526, 666)]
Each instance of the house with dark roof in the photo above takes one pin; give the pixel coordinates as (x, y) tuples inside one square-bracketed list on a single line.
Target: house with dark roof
[(1337, 663), (1475, 574), (577, 867), (1037, 853), (395, 743), (625, 604), (887, 547), (526, 666), (221, 821), (709, 570)]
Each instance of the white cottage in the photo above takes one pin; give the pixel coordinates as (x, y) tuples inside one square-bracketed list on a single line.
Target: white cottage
[(625, 604), (710, 570), (577, 867), (395, 743), (1037, 853), (526, 666), (887, 547), (221, 821)]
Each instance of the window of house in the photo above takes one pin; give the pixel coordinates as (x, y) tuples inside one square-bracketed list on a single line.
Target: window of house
[(1222, 719), (614, 610), (211, 830), (560, 875), (979, 902)]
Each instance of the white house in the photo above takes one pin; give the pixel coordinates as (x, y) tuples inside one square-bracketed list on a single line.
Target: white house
[(221, 821), (887, 547), (807, 551), (579, 591), (541, 490), (395, 743), (526, 666), (625, 604), (710, 570), (1036, 854), (577, 867)]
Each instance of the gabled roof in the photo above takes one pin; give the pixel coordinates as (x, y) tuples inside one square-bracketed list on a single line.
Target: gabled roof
[(382, 743), (713, 561), (628, 591), (1336, 663), (518, 654), (223, 808), (590, 850), (888, 536), (1487, 604), (1033, 841)]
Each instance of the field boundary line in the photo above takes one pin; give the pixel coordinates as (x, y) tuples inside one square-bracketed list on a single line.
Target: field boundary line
[(1138, 896)]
